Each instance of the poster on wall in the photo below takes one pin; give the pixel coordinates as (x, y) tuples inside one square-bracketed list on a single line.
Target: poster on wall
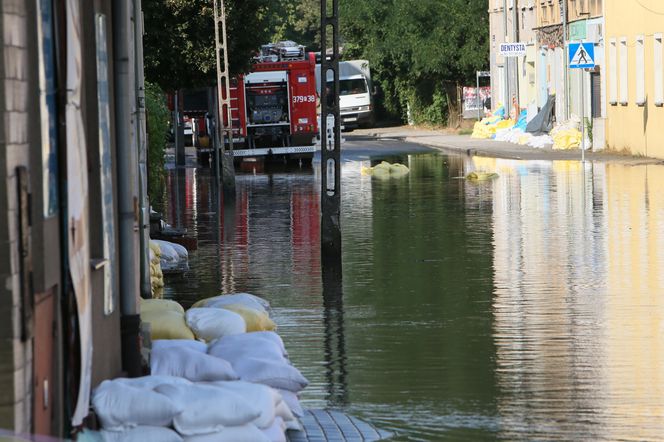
[(77, 208), (470, 101)]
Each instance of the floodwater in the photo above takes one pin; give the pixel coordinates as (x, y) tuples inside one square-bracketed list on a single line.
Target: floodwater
[(530, 307)]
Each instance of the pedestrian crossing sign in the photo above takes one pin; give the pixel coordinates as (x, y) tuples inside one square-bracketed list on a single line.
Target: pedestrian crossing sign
[(581, 55)]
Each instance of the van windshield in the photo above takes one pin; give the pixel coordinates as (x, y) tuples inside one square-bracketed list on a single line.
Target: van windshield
[(351, 87)]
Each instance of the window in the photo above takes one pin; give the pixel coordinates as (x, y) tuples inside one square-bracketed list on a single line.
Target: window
[(659, 71), (622, 62), (640, 71), (613, 72)]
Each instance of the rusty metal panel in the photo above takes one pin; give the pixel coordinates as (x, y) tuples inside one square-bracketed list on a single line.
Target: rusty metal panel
[(44, 352), (25, 255)]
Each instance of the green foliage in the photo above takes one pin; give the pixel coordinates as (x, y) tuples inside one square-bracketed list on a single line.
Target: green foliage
[(179, 39), (157, 128), (413, 45)]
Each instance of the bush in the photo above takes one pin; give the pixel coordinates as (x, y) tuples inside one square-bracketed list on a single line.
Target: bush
[(157, 128)]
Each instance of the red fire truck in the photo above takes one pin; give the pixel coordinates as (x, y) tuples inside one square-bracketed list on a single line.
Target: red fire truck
[(273, 107)]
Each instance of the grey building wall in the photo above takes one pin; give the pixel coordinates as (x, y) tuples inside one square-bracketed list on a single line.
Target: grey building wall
[(15, 355)]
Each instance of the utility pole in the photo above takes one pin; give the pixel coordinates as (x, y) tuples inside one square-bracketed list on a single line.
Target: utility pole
[(224, 113), (515, 35), (506, 63), (330, 152), (563, 14)]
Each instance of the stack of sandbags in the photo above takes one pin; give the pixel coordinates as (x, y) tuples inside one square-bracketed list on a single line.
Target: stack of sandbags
[(174, 257), (133, 412), (164, 409), (254, 311), (166, 319), (189, 360), (261, 358), (156, 275)]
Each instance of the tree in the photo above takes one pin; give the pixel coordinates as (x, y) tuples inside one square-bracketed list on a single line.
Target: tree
[(416, 47), (179, 45)]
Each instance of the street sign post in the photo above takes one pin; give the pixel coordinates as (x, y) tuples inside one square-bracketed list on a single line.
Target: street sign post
[(582, 56), (477, 91)]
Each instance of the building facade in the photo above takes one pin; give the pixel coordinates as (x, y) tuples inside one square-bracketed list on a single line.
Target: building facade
[(546, 26), (68, 311), (635, 93)]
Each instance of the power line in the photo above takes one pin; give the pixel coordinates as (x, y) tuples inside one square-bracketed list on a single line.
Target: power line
[(648, 9)]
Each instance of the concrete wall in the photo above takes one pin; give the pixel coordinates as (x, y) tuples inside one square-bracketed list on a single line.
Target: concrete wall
[(15, 355), (631, 126)]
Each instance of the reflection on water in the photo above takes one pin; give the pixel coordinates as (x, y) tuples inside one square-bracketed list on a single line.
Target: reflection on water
[(526, 308)]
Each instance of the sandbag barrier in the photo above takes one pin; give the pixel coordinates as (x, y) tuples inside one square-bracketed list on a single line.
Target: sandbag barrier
[(218, 372)]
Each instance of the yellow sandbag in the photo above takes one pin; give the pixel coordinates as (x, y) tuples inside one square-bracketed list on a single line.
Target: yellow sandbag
[(160, 305), (155, 248), (167, 324), (255, 319), (481, 176), (504, 124), (480, 130), (567, 139), (386, 170)]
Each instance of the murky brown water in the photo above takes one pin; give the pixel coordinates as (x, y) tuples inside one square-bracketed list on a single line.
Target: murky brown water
[(530, 307)]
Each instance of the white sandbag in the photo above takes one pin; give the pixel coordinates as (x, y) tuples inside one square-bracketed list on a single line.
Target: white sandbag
[(212, 323), (276, 374), (142, 434), (262, 396), (284, 412), (190, 364), (250, 339), (277, 431), (246, 299), (174, 250), (292, 401), (234, 350), (208, 409), (150, 382), (242, 433), (121, 407), (168, 253), (198, 346)]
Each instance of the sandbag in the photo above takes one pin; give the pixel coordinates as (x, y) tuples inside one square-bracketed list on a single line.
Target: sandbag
[(241, 433), (208, 409), (160, 305), (256, 320), (481, 176), (151, 382), (276, 374), (234, 350), (213, 323), (250, 339), (190, 364), (284, 412), (120, 407), (198, 346), (245, 299), (167, 325), (262, 396), (142, 434), (292, 401), (277, 431)]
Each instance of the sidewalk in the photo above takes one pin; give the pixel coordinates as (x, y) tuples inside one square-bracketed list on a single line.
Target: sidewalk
[(451, 142)]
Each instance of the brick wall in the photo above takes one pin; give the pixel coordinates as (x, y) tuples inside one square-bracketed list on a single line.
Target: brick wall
[(15, 355)]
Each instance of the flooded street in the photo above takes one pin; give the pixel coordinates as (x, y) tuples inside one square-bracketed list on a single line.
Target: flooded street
[(529, 307)]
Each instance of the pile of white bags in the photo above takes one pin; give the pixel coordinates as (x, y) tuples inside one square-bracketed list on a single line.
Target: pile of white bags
[(241, 387)]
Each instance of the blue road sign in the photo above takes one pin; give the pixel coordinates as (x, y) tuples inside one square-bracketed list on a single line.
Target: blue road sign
[(581, 55)]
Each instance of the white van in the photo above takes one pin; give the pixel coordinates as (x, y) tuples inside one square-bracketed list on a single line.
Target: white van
[(355, 94)]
